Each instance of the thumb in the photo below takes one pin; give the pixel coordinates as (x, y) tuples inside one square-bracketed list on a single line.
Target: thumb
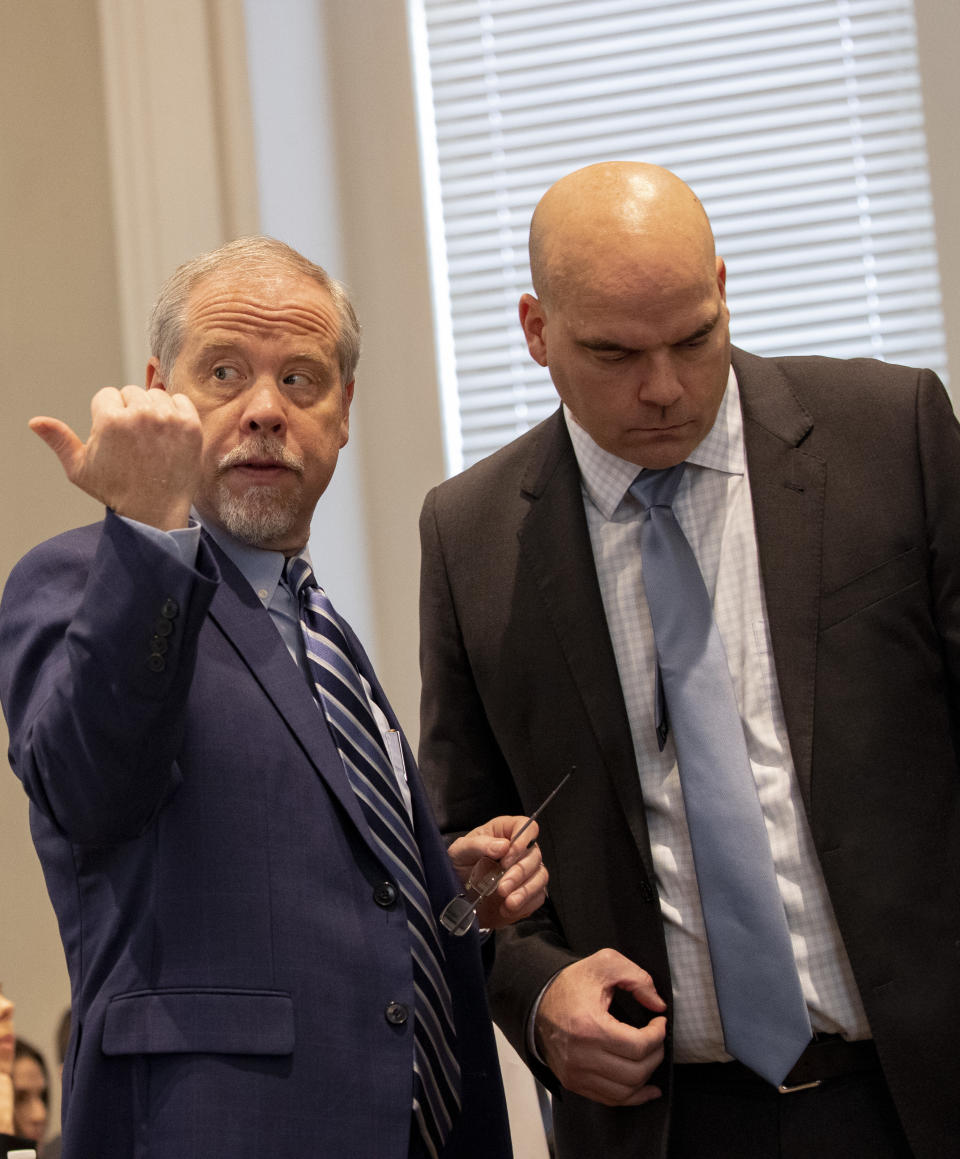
[(61, 440), (619, 972), (644, 991)]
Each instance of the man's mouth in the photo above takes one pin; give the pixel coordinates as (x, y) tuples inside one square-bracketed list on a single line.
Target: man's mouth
[(663, 429), (262, 465), (267, 462)]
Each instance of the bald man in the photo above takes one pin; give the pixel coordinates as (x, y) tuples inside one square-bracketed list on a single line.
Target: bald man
[(821, 499)]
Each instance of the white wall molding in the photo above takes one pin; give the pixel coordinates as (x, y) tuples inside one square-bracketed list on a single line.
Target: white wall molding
[(180, 146)]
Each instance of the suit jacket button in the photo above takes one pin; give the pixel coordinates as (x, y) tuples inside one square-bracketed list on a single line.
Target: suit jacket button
[(385, 895), (396, 1013), (646, 891), (170, 609)]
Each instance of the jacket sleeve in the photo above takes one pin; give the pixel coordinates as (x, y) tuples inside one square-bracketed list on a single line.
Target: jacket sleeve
[(469, 782), (938, 440), (98, 639)]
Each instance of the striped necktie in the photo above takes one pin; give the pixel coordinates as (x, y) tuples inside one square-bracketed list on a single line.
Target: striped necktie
[(762, 1008), (436, 1095)]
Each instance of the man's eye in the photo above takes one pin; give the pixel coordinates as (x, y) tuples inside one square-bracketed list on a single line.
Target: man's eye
[(698, 342), (224, 373), (295, 379)]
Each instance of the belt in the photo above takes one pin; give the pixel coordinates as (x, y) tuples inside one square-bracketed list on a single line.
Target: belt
[(827, 1056)]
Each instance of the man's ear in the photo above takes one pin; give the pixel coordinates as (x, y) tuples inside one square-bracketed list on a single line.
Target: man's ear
[(722, 278), (345, 419), (154, 376), (533, 320)]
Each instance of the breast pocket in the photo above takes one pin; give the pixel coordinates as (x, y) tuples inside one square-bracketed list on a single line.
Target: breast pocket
[(874, 586)]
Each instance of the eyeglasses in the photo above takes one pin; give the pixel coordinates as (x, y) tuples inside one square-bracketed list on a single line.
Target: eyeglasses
[(458, 914)]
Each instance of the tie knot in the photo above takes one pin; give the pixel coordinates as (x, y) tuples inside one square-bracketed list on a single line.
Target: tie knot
[(657, 488), (299, 575)]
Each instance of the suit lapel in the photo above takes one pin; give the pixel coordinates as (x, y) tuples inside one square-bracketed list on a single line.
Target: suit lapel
[(239, 615), (787, 486), (555, 546)]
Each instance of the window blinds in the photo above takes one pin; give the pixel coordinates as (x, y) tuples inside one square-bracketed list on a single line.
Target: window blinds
[(799, 125)]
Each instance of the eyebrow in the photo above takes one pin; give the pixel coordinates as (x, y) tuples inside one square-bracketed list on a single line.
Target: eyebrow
[(215, 350), (604, 345), (702, 331)]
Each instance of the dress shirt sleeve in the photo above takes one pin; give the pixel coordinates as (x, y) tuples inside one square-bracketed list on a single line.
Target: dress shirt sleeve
[(183, 542)]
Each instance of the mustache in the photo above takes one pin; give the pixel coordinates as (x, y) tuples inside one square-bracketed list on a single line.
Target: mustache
[(263, 449)]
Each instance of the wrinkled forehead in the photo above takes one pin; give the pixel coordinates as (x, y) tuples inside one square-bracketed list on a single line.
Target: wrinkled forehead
[(262, 304)]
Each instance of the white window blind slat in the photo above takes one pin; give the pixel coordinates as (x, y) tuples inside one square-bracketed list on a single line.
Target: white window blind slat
[(800, 126)]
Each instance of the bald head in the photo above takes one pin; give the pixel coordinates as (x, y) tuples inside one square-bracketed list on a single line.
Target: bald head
[(609, 220), (630, 315)]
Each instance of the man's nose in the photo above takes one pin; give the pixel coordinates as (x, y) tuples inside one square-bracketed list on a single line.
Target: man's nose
[(264, 409), (659, 383)]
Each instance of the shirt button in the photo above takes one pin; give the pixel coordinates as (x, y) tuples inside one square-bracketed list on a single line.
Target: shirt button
[(385, 894), (396, 1013)]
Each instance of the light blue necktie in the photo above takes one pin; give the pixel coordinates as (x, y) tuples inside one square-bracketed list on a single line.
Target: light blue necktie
[(762, 1008), (436, 1095)]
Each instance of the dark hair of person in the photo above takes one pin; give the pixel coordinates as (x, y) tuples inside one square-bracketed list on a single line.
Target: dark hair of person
[(24, 1049)]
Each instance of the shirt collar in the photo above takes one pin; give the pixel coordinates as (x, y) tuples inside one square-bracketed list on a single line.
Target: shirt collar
[(607, 477), (261, 569)]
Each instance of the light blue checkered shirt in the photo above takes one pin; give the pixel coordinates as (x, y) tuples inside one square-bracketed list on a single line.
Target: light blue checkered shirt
[(714, 509)]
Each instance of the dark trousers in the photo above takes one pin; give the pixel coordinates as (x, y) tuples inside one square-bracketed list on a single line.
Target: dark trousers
[(722, 1111)]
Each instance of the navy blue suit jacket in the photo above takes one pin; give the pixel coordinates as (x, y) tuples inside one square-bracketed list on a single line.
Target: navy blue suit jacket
[(230, 951)]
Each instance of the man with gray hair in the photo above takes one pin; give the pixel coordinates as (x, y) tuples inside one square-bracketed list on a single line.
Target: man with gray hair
[(232, 828)]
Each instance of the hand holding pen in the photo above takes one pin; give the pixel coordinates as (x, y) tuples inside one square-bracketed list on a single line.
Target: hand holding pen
[(504, 880)]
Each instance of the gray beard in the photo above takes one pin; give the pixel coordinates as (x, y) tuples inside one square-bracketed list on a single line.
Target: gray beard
[(259, 516)]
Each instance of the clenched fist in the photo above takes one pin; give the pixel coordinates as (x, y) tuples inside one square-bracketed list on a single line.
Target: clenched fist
[(142, 458)]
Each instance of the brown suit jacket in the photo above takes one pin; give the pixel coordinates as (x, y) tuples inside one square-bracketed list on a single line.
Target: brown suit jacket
[(855, 475)]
